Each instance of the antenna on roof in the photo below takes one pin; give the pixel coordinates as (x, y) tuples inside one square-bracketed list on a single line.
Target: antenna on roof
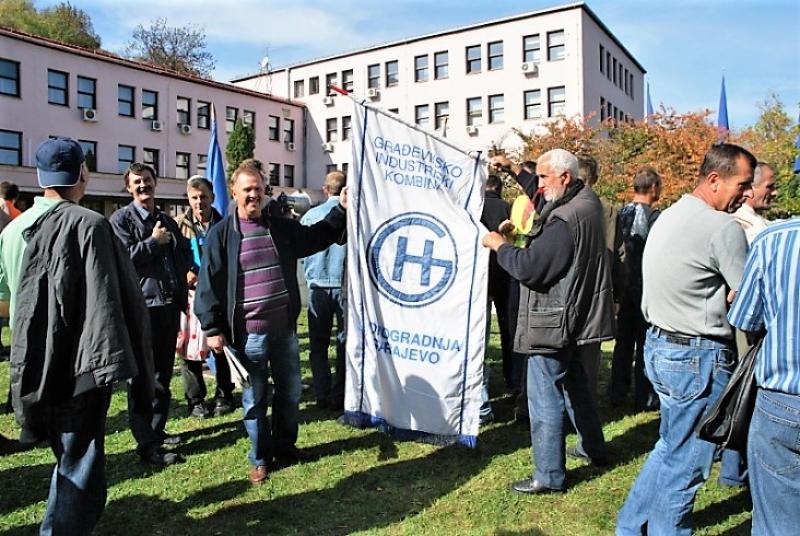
[(264, 74)]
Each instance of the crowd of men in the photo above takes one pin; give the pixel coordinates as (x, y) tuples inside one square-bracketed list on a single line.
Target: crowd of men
[(93, 302)]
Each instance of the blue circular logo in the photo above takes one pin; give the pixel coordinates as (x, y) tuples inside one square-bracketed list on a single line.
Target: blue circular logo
[(412, 259)]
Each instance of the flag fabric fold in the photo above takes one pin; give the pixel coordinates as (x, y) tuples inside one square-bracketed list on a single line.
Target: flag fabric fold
[(215, 169)]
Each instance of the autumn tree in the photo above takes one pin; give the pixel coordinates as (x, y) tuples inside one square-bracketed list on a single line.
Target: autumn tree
[(181, 49), (241, 145), (62, 22)]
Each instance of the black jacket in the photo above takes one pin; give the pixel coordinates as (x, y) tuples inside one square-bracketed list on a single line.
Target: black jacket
[(495, 211), (216, 288)]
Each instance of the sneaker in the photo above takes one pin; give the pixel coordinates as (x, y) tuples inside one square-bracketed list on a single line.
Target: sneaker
[(199, 411), (160, 458), (223, 407)]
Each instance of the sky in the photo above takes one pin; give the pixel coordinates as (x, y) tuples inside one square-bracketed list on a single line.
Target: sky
[(685, 45)]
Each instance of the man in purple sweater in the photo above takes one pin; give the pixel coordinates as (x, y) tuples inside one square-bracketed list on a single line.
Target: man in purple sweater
[(248, 299)]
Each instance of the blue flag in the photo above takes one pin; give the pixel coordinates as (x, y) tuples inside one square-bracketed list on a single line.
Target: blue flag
[(215, 170), (722, 114), (649, 104)]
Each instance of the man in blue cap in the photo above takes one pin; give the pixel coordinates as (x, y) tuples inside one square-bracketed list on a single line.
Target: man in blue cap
[(77, 322)]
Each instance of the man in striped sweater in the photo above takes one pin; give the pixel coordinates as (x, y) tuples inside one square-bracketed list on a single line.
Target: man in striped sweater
[(248, 299)]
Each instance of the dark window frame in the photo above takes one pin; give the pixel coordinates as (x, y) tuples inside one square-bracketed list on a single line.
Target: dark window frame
[(529, 52), (288, 130), (203, 115), (15, 80), (474, 119), (130, 103), (347, 127), (348, 80), (299, 89), (529, 108), (492, 59), (551, 102), (187, 113), (62, 90), (153, 162), (313, 85), (556, 49), (421, 73), (473, 64), (331, 134), (391, 79), (187, 168), (91, 162), (12, 149), (86, 94), (146, 105), (122, 168), (273, 128), (438, 66), (374, 76), (493, 111), (288, 175), (420, 119)]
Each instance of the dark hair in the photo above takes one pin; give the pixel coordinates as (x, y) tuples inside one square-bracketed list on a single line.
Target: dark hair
[(722, 158), (198, 182), (138, 168), (587, 168), (645, 179), (9, 190), (529, 164), (493, 182)]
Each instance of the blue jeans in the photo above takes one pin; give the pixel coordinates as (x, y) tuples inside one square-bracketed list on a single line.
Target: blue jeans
[(773, 451), (325, 304), (558, 383), (688, 379), (78, 486), (261, 353)]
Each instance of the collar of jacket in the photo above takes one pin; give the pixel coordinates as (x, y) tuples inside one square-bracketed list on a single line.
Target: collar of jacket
[(572, 191)]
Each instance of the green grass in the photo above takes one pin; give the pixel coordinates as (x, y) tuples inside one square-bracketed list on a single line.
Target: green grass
[(361, 482)]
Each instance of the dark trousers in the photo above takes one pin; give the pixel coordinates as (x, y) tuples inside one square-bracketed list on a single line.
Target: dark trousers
[(519, 362), (194, 385), (148, 429), (629, 357), (325, 304), (76, 431), (499, 295)]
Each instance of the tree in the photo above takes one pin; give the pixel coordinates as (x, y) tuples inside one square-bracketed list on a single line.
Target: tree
[(181, 49), (63, 22), (241, 145)]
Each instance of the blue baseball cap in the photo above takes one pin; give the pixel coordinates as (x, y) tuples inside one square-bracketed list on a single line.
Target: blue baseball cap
[(58, 162)]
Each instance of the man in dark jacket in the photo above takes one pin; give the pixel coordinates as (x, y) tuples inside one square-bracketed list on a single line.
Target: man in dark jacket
[(566, 301), (248, 299), (161, 256), (78, 329)]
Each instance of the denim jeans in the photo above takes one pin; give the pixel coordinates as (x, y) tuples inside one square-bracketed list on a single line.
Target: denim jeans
[(688, 379), (558, 383), (773, 451), (325, 304), (276, 352), (78, 486)]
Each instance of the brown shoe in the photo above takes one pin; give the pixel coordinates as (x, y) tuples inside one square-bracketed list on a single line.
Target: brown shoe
[(258, 474)]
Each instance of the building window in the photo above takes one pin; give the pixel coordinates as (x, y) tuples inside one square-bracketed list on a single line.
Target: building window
[(203, 115), (313, 85), (496, 108), (288, 175), (422, 115), (249, 118), (614, 72), (602, 109), (347, 80), (345, 168), (441, 65), (474, 112), (625, 81), (125, 100), (9, 78), (531, 48), (299, 89), (347, 127), (495, 55), (231, 115), (608, 65), (57, 87), (556, 50), (474, 59), (331, 130), (533, 104), (556, 99), (441, 114), (150, 157), (274, 174), (149, 105), (126, 155), (608, 110), (184, 111), (10, 148), (87, 92), (274, 127), (395, 111), (421, 68), (619, 75), (330, 80), (288, 130), (392, 73), (630, 85), (202, 162), (330, 168), (182, 165), (602, 59), (374, 76), (90, 153)]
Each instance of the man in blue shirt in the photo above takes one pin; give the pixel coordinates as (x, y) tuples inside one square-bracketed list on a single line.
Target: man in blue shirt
[(768, 299)]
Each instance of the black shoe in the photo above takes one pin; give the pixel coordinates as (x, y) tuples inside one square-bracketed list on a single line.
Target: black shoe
[(160, 458), (171, 440), (223, 406), (292, 455), (572, 452), (199, 411), (530, 486)]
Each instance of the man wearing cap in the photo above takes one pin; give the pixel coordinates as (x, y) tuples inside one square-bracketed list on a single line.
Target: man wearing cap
[(77, 331), (161, 256)]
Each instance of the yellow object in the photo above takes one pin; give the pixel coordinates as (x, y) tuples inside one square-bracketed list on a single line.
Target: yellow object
[(521, 228)]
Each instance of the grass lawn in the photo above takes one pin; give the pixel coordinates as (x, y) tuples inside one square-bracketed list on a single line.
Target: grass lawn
[(360, 481)]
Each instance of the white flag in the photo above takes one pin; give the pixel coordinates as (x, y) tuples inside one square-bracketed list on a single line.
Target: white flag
[(416, 282)]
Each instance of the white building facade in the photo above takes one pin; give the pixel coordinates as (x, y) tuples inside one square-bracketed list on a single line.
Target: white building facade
[(477, 84)]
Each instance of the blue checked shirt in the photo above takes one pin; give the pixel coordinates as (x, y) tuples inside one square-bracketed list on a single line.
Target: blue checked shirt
[(769, 297)]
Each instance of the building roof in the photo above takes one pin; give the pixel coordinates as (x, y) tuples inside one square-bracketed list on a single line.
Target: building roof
[(512, 18), (102, 55)]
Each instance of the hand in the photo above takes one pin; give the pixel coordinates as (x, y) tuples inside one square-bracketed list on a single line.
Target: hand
[(343, 197), (506, 227), (160, 234), (216, 342), (498, 162), (493, 241), (191, 279)]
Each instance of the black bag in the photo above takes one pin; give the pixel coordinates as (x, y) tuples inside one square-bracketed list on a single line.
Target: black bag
[(727, 422)]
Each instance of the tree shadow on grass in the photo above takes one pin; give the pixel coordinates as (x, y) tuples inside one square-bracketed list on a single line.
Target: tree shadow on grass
[(716, 513)]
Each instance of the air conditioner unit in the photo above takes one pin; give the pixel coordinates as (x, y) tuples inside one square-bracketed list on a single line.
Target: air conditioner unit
[(327, 147), (472, 130), (156, 125), (185, 129), (290, 146), (327, 101), (530, 68), (373, 93), (89, 114)]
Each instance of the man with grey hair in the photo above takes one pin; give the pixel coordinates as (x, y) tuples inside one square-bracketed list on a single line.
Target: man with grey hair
[(764, 192), (565, 302)]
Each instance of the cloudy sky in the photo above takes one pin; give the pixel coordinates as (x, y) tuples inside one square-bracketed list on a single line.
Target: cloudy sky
[(685, 45)]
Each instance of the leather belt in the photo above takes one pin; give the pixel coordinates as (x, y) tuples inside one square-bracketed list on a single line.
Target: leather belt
[(682, 339)]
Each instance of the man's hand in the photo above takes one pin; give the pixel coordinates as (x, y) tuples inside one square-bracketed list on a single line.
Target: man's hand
[(502, 163), (506, 228), (493, 241), (160, 234), (216, 342), (191, 279), (343, 197)]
